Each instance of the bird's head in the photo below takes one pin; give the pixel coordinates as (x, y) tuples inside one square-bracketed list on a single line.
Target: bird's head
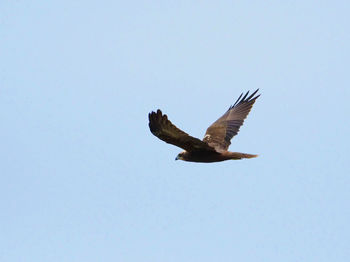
[(181, 156)]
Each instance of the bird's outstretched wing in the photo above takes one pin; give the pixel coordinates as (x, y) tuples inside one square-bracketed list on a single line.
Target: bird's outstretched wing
[(220, 133), (162, 128)]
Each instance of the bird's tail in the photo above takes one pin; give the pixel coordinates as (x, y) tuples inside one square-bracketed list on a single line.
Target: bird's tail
[(236, 155)]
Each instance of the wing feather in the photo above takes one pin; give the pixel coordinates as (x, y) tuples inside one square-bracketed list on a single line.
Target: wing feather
[(162, 128), (220, 133)]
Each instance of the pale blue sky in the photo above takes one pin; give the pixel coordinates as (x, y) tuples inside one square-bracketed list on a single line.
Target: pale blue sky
[(83, 179)]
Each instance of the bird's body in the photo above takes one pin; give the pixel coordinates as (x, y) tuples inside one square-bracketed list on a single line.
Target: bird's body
[(213, 157), (213, 147)]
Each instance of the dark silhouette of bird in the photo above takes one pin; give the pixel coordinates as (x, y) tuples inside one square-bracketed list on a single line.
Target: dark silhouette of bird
[(217, 139)]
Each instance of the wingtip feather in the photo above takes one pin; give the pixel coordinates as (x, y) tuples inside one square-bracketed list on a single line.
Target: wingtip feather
[(243, 99)]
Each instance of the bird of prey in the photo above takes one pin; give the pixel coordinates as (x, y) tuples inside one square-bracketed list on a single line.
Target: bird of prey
[(217, 139)]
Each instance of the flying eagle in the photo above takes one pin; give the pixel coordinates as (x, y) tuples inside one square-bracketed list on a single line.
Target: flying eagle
[(213, 147)]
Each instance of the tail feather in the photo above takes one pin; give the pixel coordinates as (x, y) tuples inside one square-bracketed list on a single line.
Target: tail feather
[(236, 155)]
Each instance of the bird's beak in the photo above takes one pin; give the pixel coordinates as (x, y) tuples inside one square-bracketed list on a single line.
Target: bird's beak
[(177, 158)]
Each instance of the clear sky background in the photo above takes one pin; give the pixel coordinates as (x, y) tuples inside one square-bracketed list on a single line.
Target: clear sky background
[(83, 179)]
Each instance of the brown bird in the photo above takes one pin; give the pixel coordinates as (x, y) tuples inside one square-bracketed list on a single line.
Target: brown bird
[(217, 139)]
